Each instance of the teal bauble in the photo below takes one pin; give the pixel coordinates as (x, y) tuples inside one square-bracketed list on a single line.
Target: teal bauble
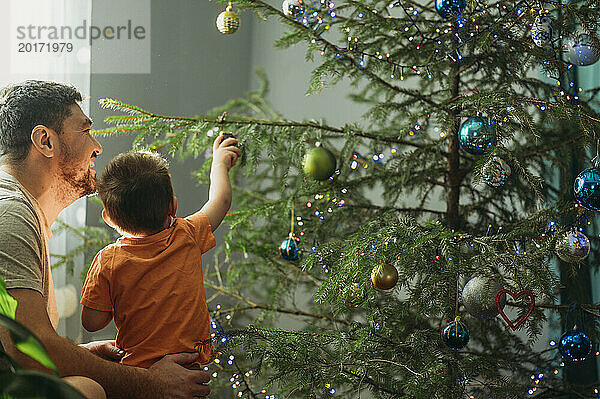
[(290, 250), (587, 189), (477, 134), (449, 8), (456, 335)]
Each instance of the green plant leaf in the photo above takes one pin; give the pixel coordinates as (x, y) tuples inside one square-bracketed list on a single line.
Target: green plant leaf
[(29, 384), (13, 365), (23, 338), (8, 304)]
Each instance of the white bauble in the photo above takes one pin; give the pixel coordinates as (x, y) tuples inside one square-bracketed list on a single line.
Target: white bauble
[(541, 31)]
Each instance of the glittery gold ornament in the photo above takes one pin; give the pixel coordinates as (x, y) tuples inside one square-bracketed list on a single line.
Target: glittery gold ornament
[(354, 295), (384, 276), (228, 21)]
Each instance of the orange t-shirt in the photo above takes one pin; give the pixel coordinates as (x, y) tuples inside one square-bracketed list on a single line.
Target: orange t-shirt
[(155, 289)]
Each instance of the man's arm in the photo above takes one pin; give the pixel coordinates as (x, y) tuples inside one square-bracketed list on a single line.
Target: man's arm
[(165, 379), (94, 320), (225, 154)]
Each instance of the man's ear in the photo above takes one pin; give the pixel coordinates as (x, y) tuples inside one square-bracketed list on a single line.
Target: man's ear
[(107, 218), (42, 139), (173, 207)]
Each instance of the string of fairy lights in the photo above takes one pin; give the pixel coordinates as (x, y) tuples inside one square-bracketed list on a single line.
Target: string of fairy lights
[(320, 15), (241, 378)]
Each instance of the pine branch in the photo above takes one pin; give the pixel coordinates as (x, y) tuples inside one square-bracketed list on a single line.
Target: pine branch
[(253, 122), (391, 208), (335, 49), (286, 311)]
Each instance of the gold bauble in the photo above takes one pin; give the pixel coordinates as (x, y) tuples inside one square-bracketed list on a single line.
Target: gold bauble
[(384, 276), (228, 21)]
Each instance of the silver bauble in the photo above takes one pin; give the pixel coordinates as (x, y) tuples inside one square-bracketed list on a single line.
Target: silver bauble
[(581, 50), (573, 247), (479, 297)]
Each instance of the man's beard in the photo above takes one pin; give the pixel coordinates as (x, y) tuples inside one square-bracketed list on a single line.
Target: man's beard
[(77, 183)]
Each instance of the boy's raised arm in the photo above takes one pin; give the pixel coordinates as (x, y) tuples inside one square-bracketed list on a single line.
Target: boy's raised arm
[(225, 154)]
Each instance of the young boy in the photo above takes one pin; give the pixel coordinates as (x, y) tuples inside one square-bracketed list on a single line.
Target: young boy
[(150, 280)]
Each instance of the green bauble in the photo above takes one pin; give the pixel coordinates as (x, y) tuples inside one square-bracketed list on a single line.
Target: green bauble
[(319, 163)]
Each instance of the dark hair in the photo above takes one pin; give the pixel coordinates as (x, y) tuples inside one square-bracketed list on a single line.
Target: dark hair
[(31, 103), (136, 190)]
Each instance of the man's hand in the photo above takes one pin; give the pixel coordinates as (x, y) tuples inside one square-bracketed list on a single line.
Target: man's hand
[(178, 382), (107, 350), (225, 151)]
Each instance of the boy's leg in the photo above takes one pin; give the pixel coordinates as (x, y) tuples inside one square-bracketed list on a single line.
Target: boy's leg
[(88, 387)]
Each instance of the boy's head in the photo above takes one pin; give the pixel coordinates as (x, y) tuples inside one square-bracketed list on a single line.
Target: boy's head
[(136, 190)]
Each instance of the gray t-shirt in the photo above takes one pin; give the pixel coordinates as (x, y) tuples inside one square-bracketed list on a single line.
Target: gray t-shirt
[(24, 235)]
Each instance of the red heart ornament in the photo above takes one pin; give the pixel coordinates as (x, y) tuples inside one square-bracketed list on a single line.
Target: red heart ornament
[(516, 296)]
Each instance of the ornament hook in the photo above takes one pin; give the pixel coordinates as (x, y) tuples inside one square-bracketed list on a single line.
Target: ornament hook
[(292, 221), (596, 159), (457, 296)]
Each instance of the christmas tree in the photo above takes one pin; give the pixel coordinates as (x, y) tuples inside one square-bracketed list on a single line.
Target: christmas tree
[(424, 246)]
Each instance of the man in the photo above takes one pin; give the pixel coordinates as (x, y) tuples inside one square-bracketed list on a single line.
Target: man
[(46, 162)]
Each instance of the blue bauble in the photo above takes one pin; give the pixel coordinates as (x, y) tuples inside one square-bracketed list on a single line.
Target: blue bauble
[(587, 189), (290, 249), (477, 134), (456, 335), (574, 346), (448, 8)]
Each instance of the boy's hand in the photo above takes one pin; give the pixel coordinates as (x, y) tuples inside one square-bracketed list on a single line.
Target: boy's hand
[(225, 151), (107, 350)]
